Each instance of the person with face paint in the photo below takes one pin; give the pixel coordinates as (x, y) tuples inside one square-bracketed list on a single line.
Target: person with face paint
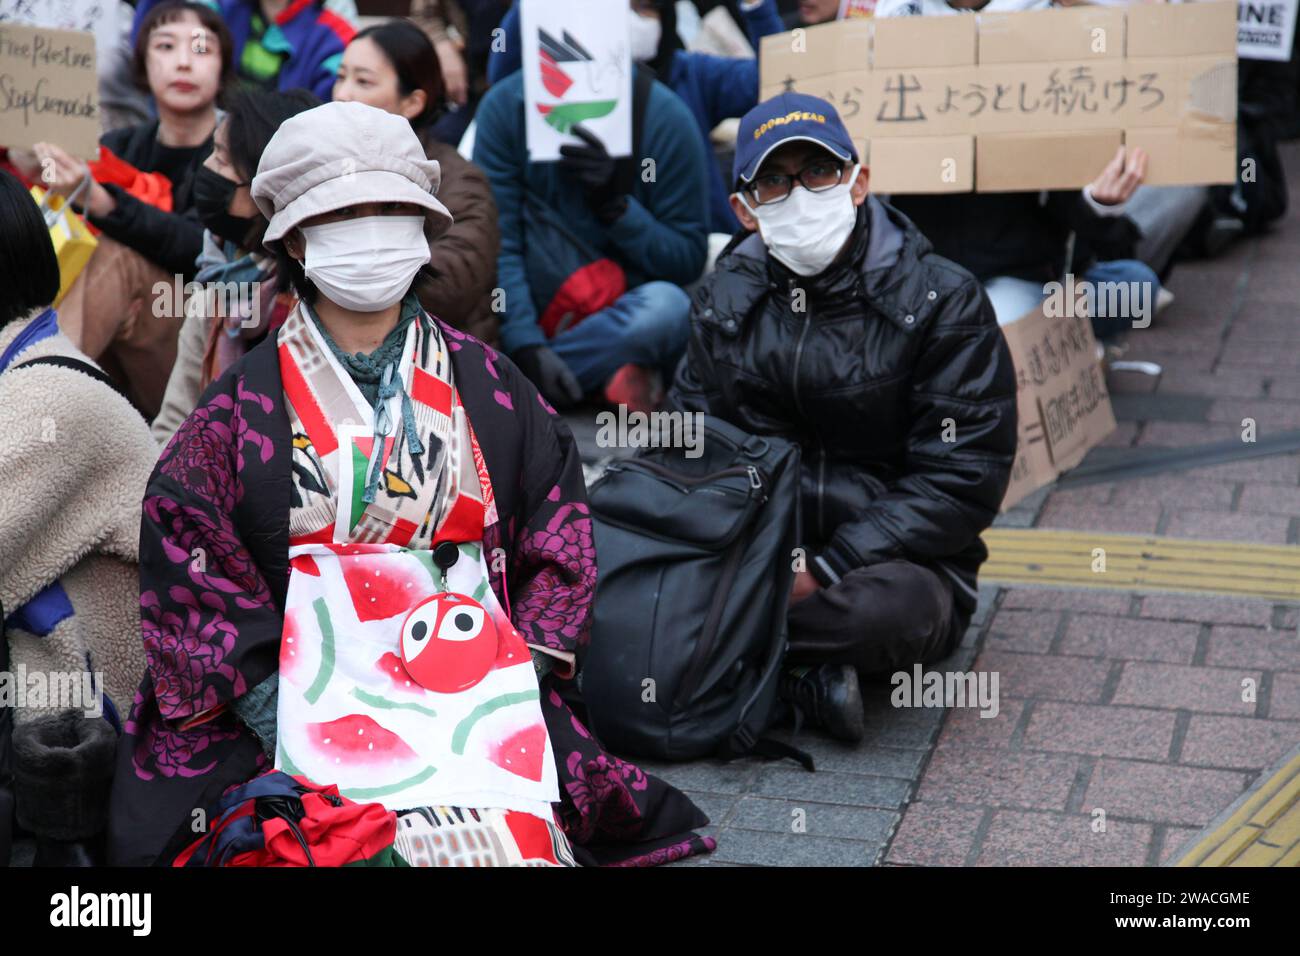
[(832, 323), (398, 564), (139, 194), (243, 298)]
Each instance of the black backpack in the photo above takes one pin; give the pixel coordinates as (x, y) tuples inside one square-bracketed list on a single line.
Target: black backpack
[(695, 561)]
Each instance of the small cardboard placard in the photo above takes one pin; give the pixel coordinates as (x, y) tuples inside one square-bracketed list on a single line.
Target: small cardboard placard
[(48, 89), (1053, 91), (1061, 398), (577, 69)]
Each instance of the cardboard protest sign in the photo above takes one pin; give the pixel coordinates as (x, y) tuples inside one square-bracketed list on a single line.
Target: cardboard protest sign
[(48, 89), (1061, 397), (97, 16), (577, 69), (1266, 29), (1024, 101)]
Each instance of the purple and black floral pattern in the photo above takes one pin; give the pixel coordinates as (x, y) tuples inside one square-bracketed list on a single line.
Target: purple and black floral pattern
[(559, 563), (167, 752), (187, 646), (215, 558)]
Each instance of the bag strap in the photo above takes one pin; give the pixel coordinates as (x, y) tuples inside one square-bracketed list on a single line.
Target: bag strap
[(626, 174), (76, 364), (742, 744), (543, 211)]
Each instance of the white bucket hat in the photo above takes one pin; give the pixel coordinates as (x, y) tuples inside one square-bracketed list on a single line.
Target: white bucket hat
[(342, 154)]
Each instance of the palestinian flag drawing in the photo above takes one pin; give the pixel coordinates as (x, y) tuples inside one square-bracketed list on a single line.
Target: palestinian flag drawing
[(556, 81)]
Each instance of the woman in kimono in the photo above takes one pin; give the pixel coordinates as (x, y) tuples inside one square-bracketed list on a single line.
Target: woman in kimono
[(366, 557)]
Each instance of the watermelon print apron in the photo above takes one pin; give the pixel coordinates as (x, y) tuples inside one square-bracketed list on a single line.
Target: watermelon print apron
[(402, 679)]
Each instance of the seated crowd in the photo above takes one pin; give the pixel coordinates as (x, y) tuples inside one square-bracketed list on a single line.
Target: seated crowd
[(204, 490)]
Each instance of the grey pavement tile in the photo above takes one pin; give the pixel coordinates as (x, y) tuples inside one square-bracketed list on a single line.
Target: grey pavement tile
[(816, 819), (868, 758), (709, 776), (715, 805), (760, 848), (826, 786)]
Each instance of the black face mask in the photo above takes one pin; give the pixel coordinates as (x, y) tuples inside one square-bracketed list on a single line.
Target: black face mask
[(212, 194)]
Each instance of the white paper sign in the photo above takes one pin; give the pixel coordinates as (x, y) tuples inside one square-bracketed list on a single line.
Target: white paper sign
[(1265, 29), (577, 69), (97, 16)]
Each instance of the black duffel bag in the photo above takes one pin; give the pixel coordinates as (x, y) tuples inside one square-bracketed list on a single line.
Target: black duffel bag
[(696, 564)]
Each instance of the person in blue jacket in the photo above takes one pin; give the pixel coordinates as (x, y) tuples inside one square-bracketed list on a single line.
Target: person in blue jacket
[(655, 231), (281, 44), (714, 88)]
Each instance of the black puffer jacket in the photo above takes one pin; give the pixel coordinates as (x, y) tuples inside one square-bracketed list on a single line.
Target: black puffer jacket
[(894, 342)]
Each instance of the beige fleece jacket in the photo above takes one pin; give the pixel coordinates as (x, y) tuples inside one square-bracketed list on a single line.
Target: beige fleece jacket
[(74, 461)]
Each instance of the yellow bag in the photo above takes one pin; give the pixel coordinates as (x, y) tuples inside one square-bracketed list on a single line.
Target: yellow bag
[(73, 243)]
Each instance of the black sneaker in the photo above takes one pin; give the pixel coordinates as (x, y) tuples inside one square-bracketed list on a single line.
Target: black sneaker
[(827, 696)]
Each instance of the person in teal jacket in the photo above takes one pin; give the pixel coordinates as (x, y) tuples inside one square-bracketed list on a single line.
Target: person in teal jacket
[(655, 230)]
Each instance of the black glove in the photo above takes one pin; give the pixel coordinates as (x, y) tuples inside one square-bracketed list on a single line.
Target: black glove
[(551, 376), (593, 167)]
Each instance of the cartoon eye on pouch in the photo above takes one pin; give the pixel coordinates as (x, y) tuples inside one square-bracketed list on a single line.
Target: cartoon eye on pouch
[(448, 643)]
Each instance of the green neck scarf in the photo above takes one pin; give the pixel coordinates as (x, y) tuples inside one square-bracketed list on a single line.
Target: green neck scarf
[(367, 370)]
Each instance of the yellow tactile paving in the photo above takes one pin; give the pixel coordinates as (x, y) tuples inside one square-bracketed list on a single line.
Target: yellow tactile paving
[(1262, 829), (1141, 563)]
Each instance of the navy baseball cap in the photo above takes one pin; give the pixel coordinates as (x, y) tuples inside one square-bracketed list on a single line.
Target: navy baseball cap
[(784, 118)]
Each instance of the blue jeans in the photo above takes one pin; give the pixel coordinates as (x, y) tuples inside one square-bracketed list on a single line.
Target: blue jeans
[(648, 325), (1124, 297), (1012, 298)]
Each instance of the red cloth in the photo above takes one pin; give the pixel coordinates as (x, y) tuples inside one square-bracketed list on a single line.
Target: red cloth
[(152, 188), (336, 835), (337, 831)]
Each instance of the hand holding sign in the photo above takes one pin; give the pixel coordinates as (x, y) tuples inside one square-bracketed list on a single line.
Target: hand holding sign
[(1119, 180), (577, 68), (595, 169), (61, 173)]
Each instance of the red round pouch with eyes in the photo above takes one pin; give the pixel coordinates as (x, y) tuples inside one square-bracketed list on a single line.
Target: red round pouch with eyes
[(449, 642)]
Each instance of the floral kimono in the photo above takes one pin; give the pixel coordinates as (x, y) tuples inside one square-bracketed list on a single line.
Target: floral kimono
[(396, 588)]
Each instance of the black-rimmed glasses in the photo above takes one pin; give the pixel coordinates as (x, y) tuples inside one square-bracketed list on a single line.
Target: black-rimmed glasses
[(815, 177)]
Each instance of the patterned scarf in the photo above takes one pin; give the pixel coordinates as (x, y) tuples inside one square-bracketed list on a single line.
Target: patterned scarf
[(427, 475)]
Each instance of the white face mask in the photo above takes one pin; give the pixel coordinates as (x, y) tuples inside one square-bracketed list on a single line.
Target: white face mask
[(365, 264), (806, 230), (643, 36)]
